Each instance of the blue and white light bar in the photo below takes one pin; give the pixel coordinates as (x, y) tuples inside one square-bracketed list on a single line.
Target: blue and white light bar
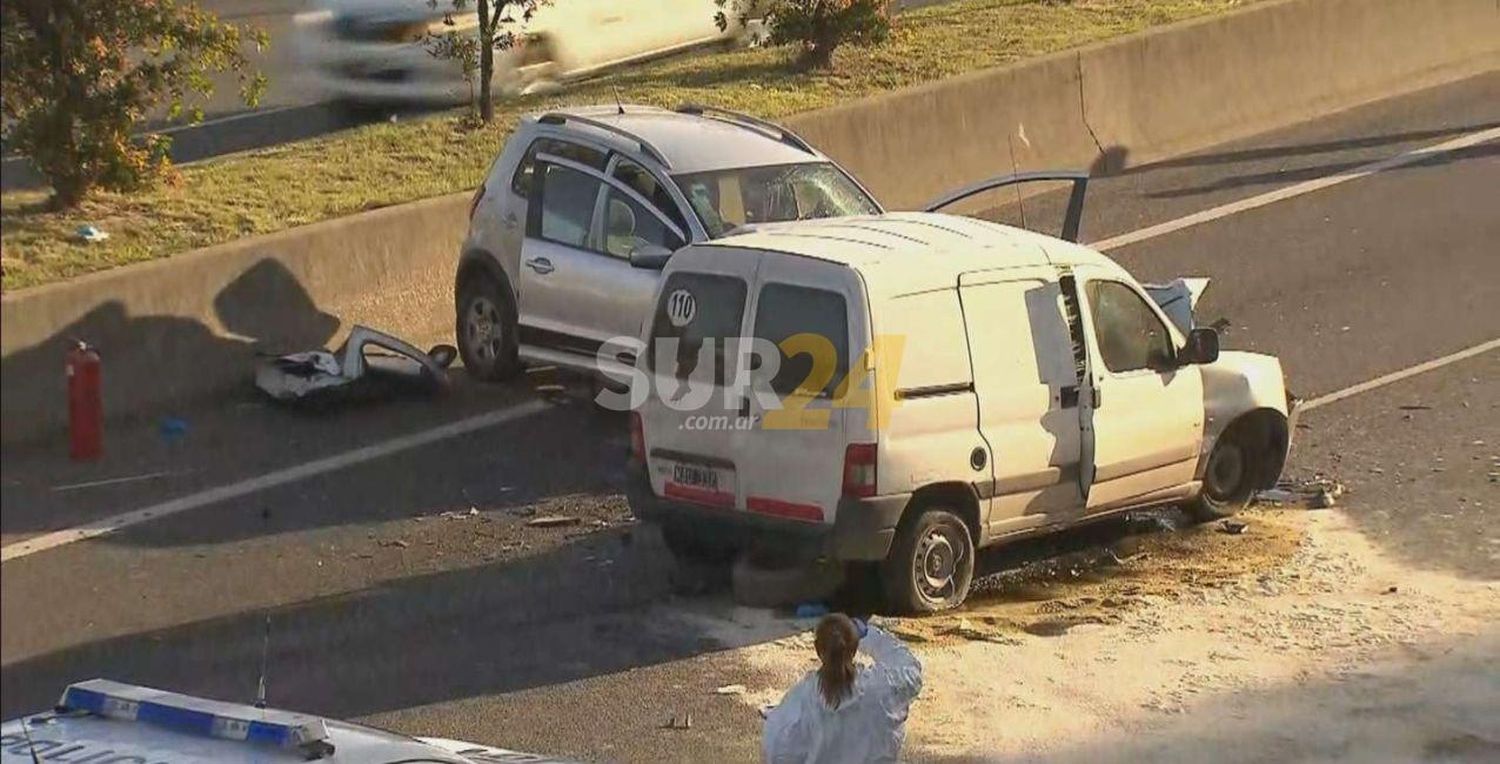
[(195, 716)]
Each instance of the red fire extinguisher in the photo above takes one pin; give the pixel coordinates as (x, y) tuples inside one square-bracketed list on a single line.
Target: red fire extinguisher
[(85, 407)]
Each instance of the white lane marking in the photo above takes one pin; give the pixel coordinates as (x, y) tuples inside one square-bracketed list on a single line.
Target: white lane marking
[(113, 481), (225, 120), (1397, 376), (1282, 194), (110, 525)]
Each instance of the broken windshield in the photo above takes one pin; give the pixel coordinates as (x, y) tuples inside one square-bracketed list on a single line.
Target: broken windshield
[(727, 199)]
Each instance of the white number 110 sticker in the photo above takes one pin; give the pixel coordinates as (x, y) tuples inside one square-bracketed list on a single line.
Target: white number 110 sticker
[(682, 306)]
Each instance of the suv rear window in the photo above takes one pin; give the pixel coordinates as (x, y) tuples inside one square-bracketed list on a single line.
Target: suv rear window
[(520, 183), (784, 311), (695, 307)]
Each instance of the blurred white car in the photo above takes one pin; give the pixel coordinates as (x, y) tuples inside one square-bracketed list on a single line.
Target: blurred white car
[(373, 51)]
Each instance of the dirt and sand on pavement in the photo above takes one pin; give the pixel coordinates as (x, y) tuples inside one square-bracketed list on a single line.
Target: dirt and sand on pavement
[(1296, 639)]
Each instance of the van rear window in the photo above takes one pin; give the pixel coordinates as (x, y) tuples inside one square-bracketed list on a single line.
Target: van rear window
[(785, 311), (694, 308)]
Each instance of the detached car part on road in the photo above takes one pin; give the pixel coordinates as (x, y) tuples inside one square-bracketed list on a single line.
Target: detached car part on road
[(104, 721), (320, 376), (941, 384), (576, 217)]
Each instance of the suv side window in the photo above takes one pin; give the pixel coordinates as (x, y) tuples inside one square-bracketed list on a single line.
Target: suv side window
[(1129, 334), (628, 225), (567, 206), (520, 183), (785, 310), (641, 181)]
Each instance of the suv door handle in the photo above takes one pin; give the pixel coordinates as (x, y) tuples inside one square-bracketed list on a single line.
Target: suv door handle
[(540, 265), (511, 221)]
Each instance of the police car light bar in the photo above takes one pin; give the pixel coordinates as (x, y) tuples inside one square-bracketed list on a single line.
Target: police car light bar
[(197, 716)]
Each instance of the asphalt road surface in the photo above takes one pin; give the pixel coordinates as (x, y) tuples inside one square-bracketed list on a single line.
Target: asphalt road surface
[(380, 607)]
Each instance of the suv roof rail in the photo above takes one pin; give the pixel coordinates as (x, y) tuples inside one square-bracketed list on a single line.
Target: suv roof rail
[(558, 118), (777, 131)]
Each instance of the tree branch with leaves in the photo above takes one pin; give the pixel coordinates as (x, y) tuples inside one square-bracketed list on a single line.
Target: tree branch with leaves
[(476, 29), (818, 26), (78, 76)]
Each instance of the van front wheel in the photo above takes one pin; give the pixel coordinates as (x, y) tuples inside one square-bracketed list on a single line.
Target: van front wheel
[(1228, 478), (931, 564)]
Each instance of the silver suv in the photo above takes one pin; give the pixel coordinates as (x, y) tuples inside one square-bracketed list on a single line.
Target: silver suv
[(580, 212)]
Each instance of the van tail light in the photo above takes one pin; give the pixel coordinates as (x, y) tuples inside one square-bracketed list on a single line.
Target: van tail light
[(474, 203), (859, 470), (637, 438)]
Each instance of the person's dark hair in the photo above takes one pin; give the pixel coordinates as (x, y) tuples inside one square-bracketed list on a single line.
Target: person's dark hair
[(836, 641)]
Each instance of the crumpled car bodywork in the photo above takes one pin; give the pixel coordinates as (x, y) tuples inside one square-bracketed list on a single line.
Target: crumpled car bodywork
[(324, 376), (1178, 298)]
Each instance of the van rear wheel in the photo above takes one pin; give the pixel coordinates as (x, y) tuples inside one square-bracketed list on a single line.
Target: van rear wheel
[(931, 565), (689, 547)]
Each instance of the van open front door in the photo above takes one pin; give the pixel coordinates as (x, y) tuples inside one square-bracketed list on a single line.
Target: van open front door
[(1072, 218)]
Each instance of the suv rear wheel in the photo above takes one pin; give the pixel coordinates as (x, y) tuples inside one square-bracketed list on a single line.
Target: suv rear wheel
[(486, 329), (931, 565)]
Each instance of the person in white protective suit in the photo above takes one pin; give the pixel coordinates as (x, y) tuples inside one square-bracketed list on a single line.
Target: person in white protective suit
[(844, 712)]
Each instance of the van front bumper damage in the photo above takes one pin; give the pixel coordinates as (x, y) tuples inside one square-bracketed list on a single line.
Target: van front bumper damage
[(863, 529)]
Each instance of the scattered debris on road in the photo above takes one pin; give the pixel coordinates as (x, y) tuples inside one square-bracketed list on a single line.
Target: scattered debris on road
[(1233, 527), (398, 543), (552, 521), (730, 689), (321, 376), (172, 429), (1320, 492), (812, 610), (674, 724)]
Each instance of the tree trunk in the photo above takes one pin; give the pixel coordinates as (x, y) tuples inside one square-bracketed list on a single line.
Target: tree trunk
[(488, 22), (62, 164), (818, 56)]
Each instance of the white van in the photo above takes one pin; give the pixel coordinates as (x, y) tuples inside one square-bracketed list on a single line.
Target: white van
[(944, 384)]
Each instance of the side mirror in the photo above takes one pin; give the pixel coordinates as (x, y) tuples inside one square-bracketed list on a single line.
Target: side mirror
[(652, 257), (1202, 346)]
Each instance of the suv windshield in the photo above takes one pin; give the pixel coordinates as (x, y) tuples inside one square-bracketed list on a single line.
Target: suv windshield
[(725, 199)]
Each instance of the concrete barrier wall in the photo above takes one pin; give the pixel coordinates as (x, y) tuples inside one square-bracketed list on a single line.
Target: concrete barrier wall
[(189, 326), (170, 331), (1151, 95)]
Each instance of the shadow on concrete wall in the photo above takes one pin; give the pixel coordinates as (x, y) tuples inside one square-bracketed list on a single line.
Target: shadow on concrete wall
[(265, 309)]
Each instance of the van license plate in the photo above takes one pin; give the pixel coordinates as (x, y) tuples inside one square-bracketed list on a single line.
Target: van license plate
[(700, 483), (696, 476)]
